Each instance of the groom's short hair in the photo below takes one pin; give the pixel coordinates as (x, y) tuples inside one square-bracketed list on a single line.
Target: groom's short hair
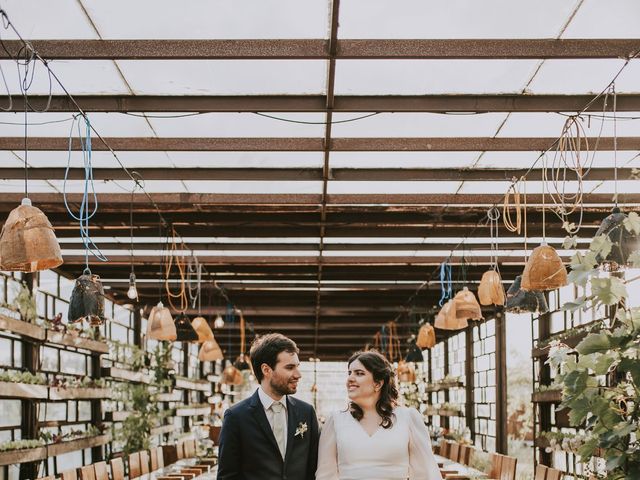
[(266, 348)]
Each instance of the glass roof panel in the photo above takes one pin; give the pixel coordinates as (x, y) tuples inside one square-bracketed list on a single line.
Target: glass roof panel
[(120, 186), (225, 77), (35, 186), (551, 124), (33, 19), (610, 19), (240, 125), (585, 76), (418, 125), (86, 77), (210, 18), (390, 187), (9, 160), (535, 187), (204, 253), (99, 159), (252, 187), (458, 19), (417, 77), (601, 159), (247, 159), (402, 159)]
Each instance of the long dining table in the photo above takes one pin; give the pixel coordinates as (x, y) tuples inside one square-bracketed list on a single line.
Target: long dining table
[(456, 468), (173, 471)]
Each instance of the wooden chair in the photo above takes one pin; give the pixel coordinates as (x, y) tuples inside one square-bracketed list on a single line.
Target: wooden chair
[(180, 450), (465, 454), (144, 462), (160, 457), (454, 452), (50, 477), (102, 471), (117, 468), (87, 473), (189, 448), (554, 474), (541, 472), (508, 471), (445, 446), (496, 465), (134, 465), (69, 475), (153, 456)]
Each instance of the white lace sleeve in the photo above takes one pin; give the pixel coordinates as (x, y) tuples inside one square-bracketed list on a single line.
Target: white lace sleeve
[(422, 463), (328, 452)]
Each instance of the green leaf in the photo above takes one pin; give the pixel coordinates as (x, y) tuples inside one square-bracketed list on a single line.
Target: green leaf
[(569, 242), (578, 304), (608, 291), (601, 245), (575, 382), (615, 460), (579, 411), (632, 223), (580, 276), (587, 449), (634, 259), (594, 342), (604, 362), (632, 365)]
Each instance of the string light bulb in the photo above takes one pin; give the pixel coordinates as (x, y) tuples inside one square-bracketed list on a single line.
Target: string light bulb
[(218, 322), (132, 293)]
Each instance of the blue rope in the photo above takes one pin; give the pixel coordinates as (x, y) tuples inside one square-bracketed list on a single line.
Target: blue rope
[(445, 282), (84, 215)]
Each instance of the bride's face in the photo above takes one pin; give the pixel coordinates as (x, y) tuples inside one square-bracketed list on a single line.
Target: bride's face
[(360, 384)]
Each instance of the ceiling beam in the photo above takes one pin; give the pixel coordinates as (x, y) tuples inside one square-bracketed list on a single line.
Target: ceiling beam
[(319, 49), (317, 103), (411, 144)]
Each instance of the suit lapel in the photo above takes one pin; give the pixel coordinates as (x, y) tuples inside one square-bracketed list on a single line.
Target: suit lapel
[(292, 425), (257, 410)]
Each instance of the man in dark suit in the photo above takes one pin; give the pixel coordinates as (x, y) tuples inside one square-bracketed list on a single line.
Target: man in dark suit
[(270, 435)]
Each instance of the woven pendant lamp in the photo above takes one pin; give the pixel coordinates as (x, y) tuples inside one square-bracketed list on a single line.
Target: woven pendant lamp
[(232, 376), (27, 241), (522, 301), (406, 372), (202, 328), (160, 324), (447, 319), (467, 306), (490, 290), (184, 329), (624, 241), (210, 351), (426, 336), (544, 270), (87, 300)]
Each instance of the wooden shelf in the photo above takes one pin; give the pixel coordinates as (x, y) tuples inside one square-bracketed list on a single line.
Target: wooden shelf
[(571, 341), (23, 390), (547, 396), (23, 456), (189, 384), (22, 328), (116, 416), (126, 375), (192, 411), (57, 393), (438, 387), (76, 341), (162, 430), (175, 396), (56, 449)]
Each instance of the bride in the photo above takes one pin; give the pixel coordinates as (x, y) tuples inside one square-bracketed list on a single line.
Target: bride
[(374, 439)]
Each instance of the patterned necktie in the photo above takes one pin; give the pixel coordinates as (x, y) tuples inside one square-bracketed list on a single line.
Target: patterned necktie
[(279, 425)]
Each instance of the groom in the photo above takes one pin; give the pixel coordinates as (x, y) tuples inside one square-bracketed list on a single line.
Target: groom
[(270, 435)]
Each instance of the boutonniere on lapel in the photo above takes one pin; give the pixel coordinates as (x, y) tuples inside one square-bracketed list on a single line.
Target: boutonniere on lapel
[(301, 430)]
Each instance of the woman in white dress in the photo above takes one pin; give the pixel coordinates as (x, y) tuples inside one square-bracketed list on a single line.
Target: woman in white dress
[(374, 439)]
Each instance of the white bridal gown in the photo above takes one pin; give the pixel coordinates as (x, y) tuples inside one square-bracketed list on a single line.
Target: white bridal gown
[(401, 452)]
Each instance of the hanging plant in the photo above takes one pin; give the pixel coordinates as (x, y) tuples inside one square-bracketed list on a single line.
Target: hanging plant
[(26, 303)]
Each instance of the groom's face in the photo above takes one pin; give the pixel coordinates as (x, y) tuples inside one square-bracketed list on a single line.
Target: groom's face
[(286, 374)]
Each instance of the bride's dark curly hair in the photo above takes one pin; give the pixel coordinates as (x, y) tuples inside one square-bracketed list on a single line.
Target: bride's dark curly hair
[(382, 371)]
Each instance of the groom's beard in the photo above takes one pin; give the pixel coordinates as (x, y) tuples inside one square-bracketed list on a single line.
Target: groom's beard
[(283, 387)]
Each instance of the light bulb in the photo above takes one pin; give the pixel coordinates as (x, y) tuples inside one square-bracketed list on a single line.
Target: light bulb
[(132, 293), (218, 322)]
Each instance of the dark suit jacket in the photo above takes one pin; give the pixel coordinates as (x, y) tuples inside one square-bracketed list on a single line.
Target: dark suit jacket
[(249, 451)]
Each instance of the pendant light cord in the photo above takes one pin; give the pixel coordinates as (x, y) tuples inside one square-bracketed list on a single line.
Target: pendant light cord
[(615, 144)]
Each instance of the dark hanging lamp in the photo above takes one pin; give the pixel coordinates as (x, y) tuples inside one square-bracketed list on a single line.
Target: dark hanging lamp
[(525, 301), (87, 300), (184, 329), (624, 242)]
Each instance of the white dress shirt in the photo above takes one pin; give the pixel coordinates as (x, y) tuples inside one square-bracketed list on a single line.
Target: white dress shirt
[(267, 401)]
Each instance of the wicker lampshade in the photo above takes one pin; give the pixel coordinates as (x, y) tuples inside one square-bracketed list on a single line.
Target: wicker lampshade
[(447, 319), (27, 241), (210, 351), (426, 336), (490, 291), (467, 306), (406, 372), (232, 376), (87, 300), (184, 329), (522, 301), (624, 241), (160, 324), (202, 328), (544, 270), (242, 362)]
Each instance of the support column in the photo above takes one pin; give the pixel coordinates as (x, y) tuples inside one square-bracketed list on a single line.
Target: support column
[(501, 384), (469, 386)]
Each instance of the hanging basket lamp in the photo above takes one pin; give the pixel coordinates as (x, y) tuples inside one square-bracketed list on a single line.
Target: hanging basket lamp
[(467, 306), (490, 290), (406, 372), (447, 319), (624, 241), (544, 270), (232, 376), (87, 300), (426, 336), (522, 301), (160, 324), (210, 351), (27, 241), (202, 328), (184, 329)]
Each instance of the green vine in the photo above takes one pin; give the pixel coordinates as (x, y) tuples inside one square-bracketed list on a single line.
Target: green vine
[(136, 428)]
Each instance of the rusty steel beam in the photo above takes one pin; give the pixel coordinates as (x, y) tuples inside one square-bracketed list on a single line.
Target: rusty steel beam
[(319, 49), (342, 103), (412, 144)]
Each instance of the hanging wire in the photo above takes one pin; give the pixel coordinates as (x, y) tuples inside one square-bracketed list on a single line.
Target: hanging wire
[(133, 191), (615, 144), (493, 214), (84, 214)]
